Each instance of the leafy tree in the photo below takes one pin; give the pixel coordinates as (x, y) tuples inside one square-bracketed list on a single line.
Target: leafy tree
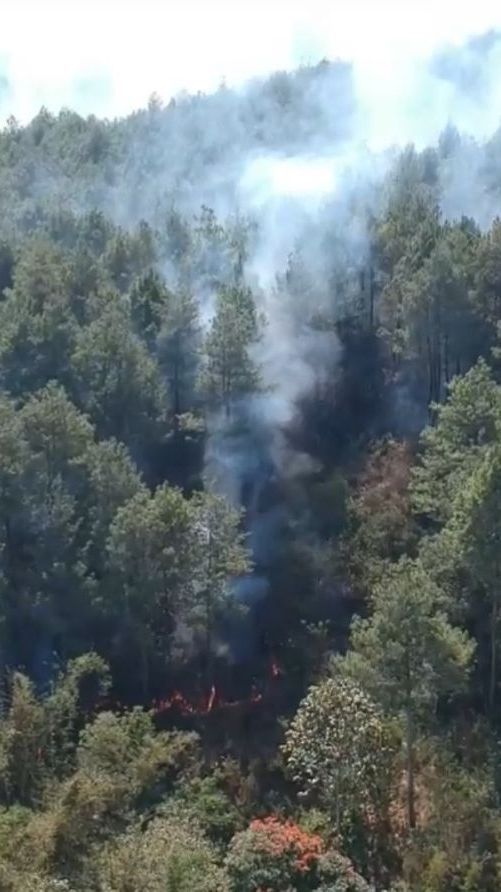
[(229, 369), (58, 436), (87, 278), (220, 557), (167, 856), (210, 804), (488, 275), (74, 695), (380, 526), (179, 350), (14, 502), (147, 324), (129, 255), (22, 734), (276, 854), (6, 266), (453, 485), (118, 382), (239, 233), (43, 549), (457, 846), (465, 426), (444, 332), (38, 736), (149, 300), (121, 766), (153, 564), (176, 239), (408, 654), (141, 763), (43, 481), (211, 249), (37, 325), (407, 232), (111, 481), (336, 746), (476, 534), (94, 232)]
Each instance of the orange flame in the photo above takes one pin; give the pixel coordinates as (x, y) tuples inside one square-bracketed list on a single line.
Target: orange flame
[(179, 703), (176, 701), (212, 698), (275, 670), (185, 707)]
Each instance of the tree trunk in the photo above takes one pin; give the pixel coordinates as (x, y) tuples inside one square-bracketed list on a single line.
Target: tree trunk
[(430, 368), (209, 654), (493, 673), (144, 666), (176, 389), (372, 289), (411, 811)]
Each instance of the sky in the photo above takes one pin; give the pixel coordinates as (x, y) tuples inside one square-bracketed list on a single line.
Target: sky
[(108, 56)]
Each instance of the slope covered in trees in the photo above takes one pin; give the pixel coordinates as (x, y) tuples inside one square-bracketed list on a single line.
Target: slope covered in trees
[(250, 503)]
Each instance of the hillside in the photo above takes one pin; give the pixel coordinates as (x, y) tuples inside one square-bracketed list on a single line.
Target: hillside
[(250, 498)]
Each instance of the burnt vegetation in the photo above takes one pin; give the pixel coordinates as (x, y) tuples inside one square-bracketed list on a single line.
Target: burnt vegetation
[(250, 517)]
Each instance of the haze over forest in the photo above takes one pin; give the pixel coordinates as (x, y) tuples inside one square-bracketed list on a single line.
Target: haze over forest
[(250, 450)]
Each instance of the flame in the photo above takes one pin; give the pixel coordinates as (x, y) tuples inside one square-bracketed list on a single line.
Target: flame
[(275, 670), (181, 704), (178, 702), (255, 696), (212, 698)]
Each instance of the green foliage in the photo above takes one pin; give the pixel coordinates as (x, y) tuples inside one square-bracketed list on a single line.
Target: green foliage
[(179, 349), (153, 565), (38, 737), (149, 301), (211, 806), (338, 747), (472, 542), (22, 736), (229, 370), (167, 856), (111, 481), (218, 547), (466, 424), (455, 484), (84, 682), (118, 382), (278, 855), (171, 560), (126, 749), (457, 846), (37, 325), (380, 526), (407, 653), (129, 358), (488, 274)]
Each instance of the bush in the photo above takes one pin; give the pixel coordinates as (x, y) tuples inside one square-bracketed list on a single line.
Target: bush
[(279, 855), (169, 856)]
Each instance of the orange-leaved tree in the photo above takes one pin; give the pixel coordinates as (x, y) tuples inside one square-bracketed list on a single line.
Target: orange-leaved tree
[(273, 854)]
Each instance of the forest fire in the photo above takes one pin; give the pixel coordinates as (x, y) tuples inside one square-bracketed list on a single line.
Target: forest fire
[(275, 670), (185, 706), (178, 702)]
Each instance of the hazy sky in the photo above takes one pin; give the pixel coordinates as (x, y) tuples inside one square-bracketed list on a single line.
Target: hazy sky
[(108, 56)]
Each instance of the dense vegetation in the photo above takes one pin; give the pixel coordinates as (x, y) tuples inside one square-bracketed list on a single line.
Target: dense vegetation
[(250, 562)]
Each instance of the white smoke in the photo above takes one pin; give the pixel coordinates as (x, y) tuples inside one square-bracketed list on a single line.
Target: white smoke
[(304, 155)]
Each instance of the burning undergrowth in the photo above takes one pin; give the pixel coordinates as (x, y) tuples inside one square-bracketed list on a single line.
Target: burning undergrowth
[(180, 703)]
